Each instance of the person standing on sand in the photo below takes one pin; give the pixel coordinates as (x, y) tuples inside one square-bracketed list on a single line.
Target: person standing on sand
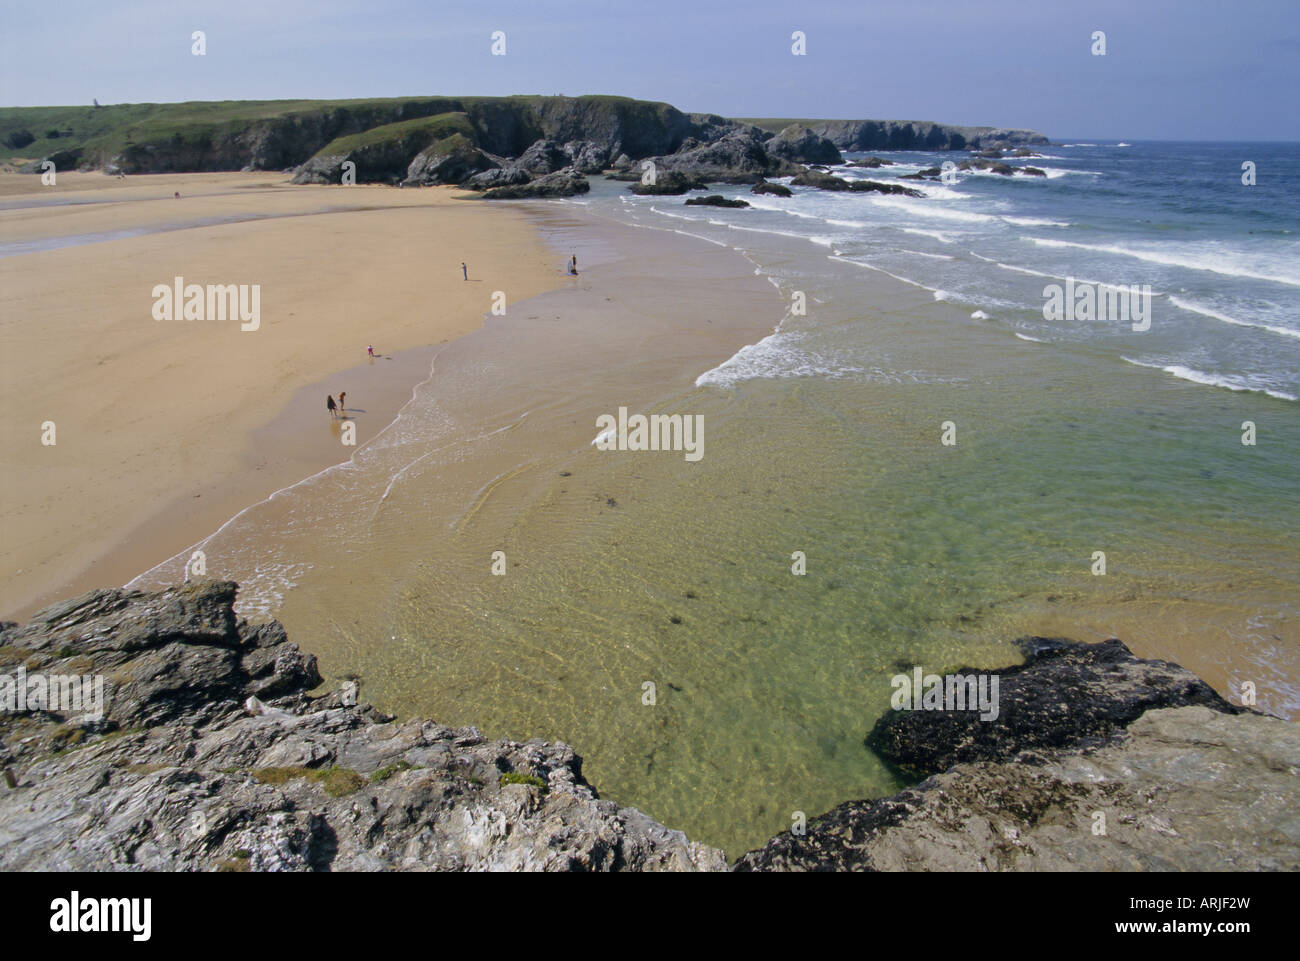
[(370, 350), (342, 399), (329, 402), (464, 270)]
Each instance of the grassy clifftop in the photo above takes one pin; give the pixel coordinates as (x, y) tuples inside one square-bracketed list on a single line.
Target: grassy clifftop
[(272, 134)]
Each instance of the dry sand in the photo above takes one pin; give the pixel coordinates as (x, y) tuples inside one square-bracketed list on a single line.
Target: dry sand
[(157, 422)]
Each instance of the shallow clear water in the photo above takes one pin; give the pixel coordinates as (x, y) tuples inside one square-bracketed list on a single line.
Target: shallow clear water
[(822, 438)]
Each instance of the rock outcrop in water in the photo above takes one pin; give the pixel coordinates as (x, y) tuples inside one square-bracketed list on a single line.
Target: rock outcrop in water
[(1098, 761), (211, 755)]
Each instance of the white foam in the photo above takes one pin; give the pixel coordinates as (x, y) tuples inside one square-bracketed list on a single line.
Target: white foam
[(912, 207), (1207, 312), (1212, 380), (1034, 222), (979, 315), (922, 253), (1032, 340), (1212, 262), (858, 263), (935, 234), (775, 356)]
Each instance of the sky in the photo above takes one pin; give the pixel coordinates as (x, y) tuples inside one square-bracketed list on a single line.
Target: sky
[(1185, 70)]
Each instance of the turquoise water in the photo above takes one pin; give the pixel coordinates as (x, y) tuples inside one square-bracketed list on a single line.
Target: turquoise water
[(826, 438)]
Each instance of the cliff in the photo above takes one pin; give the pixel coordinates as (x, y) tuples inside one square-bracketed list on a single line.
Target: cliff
[(211, 753), (908, 134), (483, 143)]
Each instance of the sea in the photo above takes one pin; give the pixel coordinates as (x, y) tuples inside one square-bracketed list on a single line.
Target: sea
[(911, 462)]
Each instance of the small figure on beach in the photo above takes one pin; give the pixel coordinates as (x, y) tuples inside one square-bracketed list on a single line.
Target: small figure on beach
[(342, 402), (464, 270), (178, 195), (573, 265), (370, 350), (329, 403)]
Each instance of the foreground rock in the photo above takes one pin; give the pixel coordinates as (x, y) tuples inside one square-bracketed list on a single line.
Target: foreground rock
[(1186, 789), (211, 755), (1097, 761), (1065, 695)]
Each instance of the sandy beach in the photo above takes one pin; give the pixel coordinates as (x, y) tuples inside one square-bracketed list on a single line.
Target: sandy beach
[(154, 420)]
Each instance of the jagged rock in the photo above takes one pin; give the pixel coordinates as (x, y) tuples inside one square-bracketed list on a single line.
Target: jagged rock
[(993, 153), (1186, 780), (1183, 789), (585, 156), (715, 200), (193, 769), (872, 162), (1033, 172), (820, 180), (562, 183), (449, 161), (739, 156), (668, 183), (800, 145), (497, 177), (543, 157), (874, 186), (767, 187), (1065, 695)]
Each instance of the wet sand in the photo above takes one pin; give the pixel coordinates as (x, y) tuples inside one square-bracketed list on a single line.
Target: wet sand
[(153, 417)]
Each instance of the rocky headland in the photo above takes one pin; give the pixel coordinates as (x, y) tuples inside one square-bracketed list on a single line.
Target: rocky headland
[(503, 147), (211, 752)]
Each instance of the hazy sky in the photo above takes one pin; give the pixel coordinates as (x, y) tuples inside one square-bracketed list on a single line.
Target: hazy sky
[(1174, 69)]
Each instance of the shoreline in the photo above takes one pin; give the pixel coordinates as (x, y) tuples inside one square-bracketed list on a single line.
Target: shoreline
[(1145, 741), (72, 525)]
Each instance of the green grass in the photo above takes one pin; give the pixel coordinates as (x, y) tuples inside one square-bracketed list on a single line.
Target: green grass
[(337, 781), (99, 133), (384, 773), (427, 129), (514, 777)]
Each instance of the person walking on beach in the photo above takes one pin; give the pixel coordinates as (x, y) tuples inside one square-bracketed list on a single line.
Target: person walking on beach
[(370, 350), (342, 399), (573, 265), (329, 403), (464, 270)]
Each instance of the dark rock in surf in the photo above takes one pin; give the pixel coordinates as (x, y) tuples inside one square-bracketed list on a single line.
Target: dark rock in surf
[(1065, 695), (562, 183), (715, 200)]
